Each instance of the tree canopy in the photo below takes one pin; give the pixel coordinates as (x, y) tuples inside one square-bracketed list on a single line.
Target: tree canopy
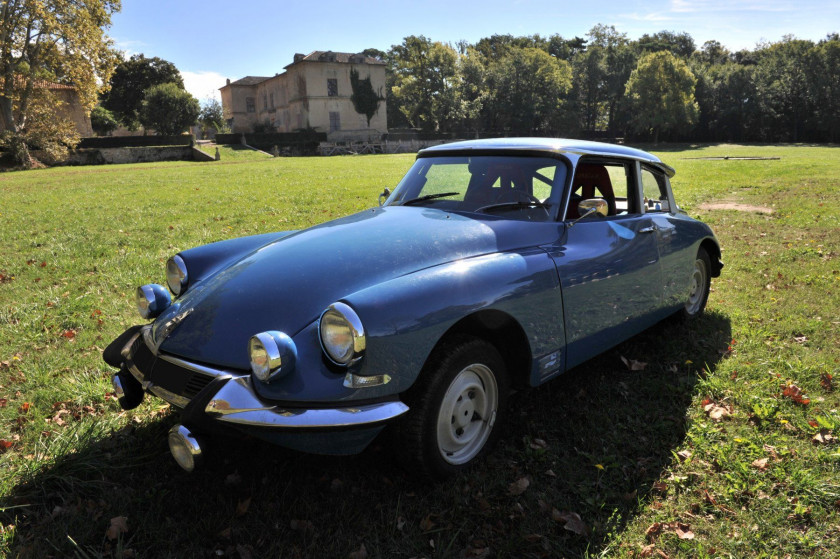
[(55, 41), (168, 109), (129, 83), (608, 85)]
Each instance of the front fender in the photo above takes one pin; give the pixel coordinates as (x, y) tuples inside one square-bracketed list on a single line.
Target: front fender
[(406, 317), (203, 261)]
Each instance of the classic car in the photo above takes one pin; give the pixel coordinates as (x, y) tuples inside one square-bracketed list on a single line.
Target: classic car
[(493, 264)]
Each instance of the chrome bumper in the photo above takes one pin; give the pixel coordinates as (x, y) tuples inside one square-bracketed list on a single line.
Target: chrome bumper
[(236, 402)]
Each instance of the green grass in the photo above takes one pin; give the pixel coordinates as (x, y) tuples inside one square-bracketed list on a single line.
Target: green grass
[(636, 454), (239, 154)]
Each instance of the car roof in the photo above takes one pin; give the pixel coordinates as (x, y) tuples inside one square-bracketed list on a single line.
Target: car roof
[(552, 145)]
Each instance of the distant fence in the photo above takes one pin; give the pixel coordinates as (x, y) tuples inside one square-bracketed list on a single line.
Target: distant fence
[(134, 141)]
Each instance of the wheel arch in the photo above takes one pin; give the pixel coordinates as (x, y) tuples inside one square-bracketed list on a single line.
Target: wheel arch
[(504, 333), (713, 250)]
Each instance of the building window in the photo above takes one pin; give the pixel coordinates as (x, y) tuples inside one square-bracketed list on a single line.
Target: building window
[(335, 121), (251, 104), (332, 87), (271, 99), (265, 101)]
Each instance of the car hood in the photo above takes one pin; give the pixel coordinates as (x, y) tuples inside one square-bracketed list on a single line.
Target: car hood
[(286, 284)]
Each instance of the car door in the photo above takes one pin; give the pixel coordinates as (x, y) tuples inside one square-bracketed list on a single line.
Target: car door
[(608, 267)]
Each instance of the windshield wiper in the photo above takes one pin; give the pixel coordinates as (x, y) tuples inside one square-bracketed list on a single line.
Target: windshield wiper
[(429, 197), (506, 205)]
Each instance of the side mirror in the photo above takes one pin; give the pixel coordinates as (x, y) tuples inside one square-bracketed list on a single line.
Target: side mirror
[(591, 206), (384, 195)]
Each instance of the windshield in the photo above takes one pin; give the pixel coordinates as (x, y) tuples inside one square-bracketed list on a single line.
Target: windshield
[(515, 187)]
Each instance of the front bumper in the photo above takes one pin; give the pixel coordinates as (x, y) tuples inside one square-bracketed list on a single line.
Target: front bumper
[(228, 397)]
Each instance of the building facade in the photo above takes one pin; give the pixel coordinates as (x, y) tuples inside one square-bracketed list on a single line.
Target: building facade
[(314, 92)]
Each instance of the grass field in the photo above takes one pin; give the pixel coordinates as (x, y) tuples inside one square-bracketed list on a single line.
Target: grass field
[(725, 445)]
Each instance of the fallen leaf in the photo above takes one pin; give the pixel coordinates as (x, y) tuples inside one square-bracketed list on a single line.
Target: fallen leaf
[(683, 532), (537, 444), (242, 506), (826, 382), (795, 393), (69, 334), (571, 521), (760, 464), (684, 455), (119, 525), (3, 402), (519, 486), (5, 445), (634, 365), (823, 437), (427, 523), (716, 412), (360, 553)]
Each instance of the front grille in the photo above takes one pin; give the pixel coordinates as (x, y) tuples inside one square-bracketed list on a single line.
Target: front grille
[(171, 377)]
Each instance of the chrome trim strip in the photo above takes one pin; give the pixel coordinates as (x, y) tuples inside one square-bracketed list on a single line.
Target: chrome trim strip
[(195, 367), (237, 403), (171, 397)]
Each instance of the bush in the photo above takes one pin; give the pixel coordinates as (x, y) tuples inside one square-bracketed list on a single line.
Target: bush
[(103, 121)]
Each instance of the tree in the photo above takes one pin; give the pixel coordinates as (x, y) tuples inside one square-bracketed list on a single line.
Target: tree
[(661, 95), (54, 41), (168, 109), (526, 88), (129, 83), (679, 44), (422, 72), (365, 100), (103, 121), (212, 117)]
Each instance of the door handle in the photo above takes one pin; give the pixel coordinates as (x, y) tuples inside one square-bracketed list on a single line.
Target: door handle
[(650, 229)]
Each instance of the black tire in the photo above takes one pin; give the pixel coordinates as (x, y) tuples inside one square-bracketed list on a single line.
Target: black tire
[(699, 285), (467, 381)]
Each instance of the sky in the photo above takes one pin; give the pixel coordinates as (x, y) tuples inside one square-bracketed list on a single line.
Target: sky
[(212, 40)]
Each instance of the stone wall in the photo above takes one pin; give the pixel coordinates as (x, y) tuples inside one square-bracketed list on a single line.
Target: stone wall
[(105, 156)]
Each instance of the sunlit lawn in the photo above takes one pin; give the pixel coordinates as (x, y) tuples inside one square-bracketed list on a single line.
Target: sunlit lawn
[(724, 445)]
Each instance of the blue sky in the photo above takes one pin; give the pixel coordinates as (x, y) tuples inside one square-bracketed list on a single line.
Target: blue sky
[(210, 40)]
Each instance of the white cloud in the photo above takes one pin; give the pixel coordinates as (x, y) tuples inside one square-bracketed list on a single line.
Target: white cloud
[(203, 85)]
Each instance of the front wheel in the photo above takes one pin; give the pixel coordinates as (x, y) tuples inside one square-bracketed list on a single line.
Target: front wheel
[(456, 409), (699, 285)]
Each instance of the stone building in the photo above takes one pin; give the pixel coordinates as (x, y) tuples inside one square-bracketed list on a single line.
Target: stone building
[(314, 91), (68, 105)]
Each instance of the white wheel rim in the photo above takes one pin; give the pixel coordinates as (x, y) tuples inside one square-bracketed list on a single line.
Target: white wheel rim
[(467, 414), (697, 287)]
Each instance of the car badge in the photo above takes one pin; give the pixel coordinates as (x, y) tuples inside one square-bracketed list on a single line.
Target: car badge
[(164, 331)]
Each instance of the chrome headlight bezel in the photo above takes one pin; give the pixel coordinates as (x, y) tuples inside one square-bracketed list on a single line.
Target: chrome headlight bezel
[(272, 355), (177, 277), (342, 335), (152, 299)]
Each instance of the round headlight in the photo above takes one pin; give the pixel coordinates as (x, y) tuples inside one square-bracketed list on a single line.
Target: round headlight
[(152, 299), (342, 334), (176, 275), (273, 355)]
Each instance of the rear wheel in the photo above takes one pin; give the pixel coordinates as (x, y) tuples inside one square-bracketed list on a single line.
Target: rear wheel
[(699, 285), (455, 409)]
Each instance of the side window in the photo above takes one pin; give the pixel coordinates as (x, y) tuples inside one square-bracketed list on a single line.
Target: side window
[(655, 191), (611, 180)]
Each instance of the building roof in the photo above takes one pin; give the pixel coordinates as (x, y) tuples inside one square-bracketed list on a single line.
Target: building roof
[(336, 57), (250, 80)]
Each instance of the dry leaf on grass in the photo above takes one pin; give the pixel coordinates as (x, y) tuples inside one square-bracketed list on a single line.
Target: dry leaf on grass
[(761, 464), (571, 521), (360, 553), (119, 525), (823, 437), (716, 412), (519, 486), (633, 365), (242, 506)]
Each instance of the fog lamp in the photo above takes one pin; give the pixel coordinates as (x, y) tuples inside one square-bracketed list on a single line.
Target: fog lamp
[(152, 299)]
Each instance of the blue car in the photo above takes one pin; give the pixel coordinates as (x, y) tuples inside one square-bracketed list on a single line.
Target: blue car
[(493, 264)]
